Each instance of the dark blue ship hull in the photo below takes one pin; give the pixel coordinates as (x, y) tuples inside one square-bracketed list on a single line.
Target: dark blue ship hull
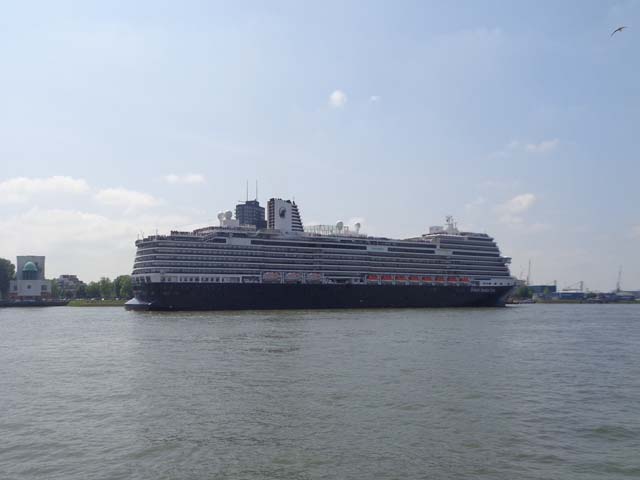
[(190, 296)]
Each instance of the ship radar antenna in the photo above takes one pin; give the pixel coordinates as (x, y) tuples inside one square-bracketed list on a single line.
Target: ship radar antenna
[(451, 224)]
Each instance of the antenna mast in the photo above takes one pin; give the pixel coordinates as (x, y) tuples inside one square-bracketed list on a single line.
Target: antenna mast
[(619, 279), (529, 273)]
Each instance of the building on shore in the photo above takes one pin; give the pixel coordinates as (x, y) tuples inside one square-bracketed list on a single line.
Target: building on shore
[(542, 291), (30, 283), (68, 285)]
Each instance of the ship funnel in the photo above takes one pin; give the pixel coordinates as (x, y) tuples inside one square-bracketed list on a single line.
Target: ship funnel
[(357, 227)]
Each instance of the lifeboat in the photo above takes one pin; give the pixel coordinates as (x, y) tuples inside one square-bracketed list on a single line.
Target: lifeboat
[(427, 279), (373, 278), (293, 277), (401, 278), (271, 277), (414, 278), (452, 279), (439, 279), (314, 277), (387, 278), (464, 279)]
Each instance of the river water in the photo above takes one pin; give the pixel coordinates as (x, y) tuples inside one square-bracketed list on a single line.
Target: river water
[(527, 392)]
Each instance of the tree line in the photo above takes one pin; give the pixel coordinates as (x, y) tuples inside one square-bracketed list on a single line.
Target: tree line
[(119, 287)]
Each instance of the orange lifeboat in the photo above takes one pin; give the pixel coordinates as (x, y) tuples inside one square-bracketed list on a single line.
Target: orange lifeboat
[(401, 278), (271, 277), (414, 278), (387, 278), (440, 279), (373, 278), (293, 277), (427, 279), (452, 279), (314, 277), (464, 279)]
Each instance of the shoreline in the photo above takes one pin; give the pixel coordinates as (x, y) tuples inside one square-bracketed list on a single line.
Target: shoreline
[(96, 303)]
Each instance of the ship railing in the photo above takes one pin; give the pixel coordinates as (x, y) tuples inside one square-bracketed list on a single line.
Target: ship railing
[(332, 230)]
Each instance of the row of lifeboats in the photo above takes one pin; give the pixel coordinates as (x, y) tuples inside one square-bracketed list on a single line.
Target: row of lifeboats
[(313, 277), (415, 279)]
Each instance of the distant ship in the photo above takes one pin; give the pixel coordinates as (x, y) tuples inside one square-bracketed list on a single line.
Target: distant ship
[(250, 262)]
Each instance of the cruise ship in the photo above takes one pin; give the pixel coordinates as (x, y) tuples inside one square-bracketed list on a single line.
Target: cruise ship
[(274, 262)]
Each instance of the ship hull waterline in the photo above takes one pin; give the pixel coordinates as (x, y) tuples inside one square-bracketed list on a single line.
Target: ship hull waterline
[(181, 296)]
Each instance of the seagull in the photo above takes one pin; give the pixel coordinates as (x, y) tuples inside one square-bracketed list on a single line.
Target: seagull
[(619, 29)]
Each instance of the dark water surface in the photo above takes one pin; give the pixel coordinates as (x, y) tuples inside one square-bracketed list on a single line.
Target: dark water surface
[(524, 392)]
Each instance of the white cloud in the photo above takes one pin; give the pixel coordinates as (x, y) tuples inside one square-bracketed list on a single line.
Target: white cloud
[(338, 99), (21, 189), (129, 199), (515, 146), (519, 203), (478, 202), (542, 147), (79, 242), (374, 98), (511, 210), (187, 178)]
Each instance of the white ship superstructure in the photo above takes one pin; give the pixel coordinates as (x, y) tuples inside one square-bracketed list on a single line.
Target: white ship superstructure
[(286, 253)]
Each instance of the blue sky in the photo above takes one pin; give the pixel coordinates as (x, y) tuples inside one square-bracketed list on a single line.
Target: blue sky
[(519, 118)]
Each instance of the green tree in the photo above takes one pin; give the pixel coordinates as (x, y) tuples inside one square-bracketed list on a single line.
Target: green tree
[(7, 273), (523, 292), (93, 290), (55, 289), (122, 286), (82, 291), (106, 287)]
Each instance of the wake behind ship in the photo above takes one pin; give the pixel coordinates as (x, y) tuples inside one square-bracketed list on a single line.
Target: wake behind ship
[(249, 262)]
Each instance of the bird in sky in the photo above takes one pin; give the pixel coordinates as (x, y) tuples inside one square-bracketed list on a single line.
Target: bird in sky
[(619, 29)]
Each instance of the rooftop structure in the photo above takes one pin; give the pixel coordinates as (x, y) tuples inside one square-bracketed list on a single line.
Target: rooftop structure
[(251, 213)]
